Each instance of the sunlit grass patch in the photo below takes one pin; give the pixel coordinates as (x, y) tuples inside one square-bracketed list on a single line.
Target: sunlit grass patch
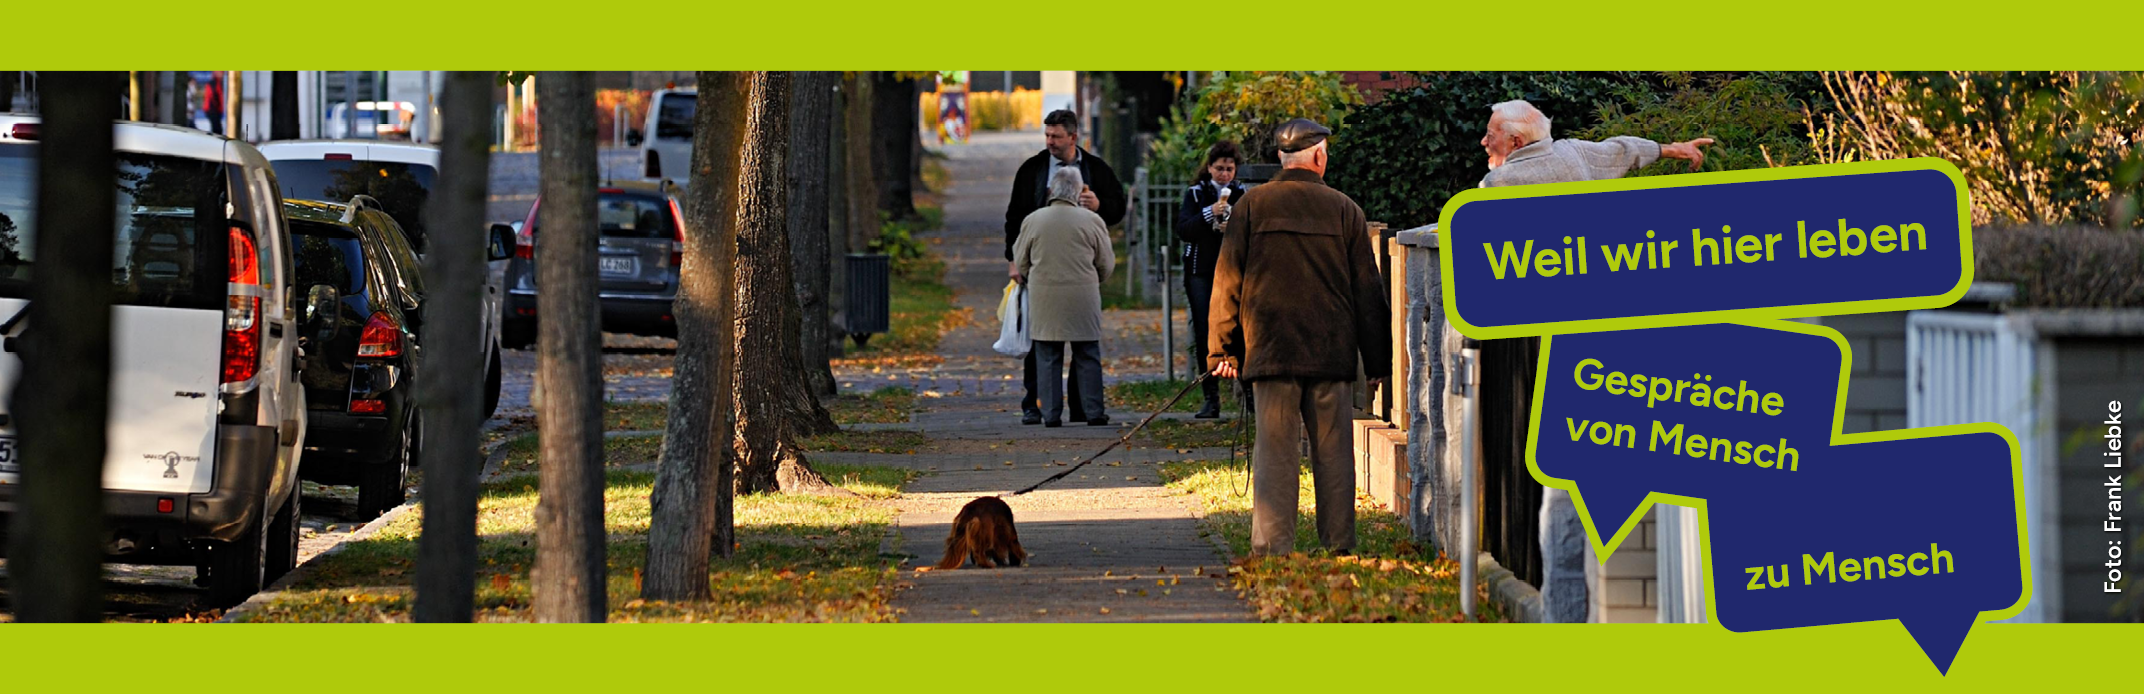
[(1387, 580), (798, 558)]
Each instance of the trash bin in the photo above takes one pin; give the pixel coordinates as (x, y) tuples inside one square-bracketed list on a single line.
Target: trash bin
[(870, 296)]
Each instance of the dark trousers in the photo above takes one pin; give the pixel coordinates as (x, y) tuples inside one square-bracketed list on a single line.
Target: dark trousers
[(1030, 404), (1086, 379), (1199, 291), (1295, 409)]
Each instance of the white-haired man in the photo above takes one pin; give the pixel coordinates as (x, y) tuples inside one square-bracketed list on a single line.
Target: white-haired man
[(1521, 152)]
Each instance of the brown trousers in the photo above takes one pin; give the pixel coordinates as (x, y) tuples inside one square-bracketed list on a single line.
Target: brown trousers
[(1286, 409)]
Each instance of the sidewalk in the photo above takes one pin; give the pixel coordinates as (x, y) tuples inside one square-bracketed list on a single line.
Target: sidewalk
[(1109, 543)]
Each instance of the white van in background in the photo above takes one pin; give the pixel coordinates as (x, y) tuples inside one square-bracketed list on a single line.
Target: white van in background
[(207, 417), (666, 140), (400, 176)]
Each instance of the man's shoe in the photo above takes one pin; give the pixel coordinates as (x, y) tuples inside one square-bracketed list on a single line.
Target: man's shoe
[(1053, 424), (1212, 410), (1099, 420), (1031, 418)]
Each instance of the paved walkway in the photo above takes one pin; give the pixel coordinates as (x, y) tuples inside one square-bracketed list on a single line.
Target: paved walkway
[(1109, 543)]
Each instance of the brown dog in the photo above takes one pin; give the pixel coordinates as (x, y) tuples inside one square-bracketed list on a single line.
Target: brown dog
[(983, 532)]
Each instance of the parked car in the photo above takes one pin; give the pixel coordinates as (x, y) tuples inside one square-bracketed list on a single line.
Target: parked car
[(399, 175), (642, 232), (364, 295), (207, 418), (665, 141)]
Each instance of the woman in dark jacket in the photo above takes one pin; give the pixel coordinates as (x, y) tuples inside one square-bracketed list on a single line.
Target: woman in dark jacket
[(1198, 224)]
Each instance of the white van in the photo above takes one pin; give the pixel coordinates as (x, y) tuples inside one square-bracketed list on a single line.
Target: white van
[(666, 140), (207, 415), (400, 176)]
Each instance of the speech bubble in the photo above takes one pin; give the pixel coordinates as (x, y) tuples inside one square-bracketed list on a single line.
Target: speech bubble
[(1782, 491), (1692, 249)]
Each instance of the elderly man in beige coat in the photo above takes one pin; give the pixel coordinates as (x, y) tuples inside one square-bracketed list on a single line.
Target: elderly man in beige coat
[(1063, 256)]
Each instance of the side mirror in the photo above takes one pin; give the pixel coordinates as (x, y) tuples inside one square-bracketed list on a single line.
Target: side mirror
[(633, 138), (321, 309), (503, 244)]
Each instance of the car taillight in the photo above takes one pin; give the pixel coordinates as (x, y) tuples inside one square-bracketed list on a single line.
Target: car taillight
[(525, 237), (654, 164), (382, 337), (368, 406), (677, 248), (242, 310), (23, 131)]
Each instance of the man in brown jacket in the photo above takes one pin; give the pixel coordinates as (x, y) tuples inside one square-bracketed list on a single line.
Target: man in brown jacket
[(1296, 301)]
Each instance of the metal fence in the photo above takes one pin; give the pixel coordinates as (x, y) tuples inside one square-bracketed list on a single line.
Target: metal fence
[(1977, 367), (1152, 256)]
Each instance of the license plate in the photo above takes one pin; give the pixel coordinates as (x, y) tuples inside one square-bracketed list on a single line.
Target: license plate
[(621, 265), (7, 455)]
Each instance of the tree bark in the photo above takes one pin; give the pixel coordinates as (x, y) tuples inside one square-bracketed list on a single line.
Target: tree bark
[(837, 219), (283, 114), (569, 574), (893, 137), (692, 515), (452, 462), (863, 186), (62, 401), (773, 404), (811, 119)]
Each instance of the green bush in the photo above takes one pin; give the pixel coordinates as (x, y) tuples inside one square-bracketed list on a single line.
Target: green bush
[(1245, 106), (1756, 120), (1402, 157), (2063, 266)]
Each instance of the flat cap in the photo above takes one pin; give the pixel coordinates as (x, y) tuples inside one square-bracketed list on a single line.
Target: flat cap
[(1300, 134)]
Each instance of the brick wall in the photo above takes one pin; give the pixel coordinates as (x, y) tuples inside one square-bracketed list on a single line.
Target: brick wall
[(1631, 578), (1876, 390), (1375, 83)]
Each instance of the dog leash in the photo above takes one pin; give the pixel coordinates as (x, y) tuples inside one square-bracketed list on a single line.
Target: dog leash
[(1121, 439)]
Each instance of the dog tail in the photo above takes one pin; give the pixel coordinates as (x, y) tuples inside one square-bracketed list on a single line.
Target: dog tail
[(956, 544)]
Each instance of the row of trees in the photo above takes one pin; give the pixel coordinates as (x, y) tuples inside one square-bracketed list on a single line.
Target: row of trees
[(768, 154), (789, 171)]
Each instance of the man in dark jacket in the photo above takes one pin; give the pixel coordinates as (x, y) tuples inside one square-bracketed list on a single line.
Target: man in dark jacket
[(1296, 302), (1030, 191)]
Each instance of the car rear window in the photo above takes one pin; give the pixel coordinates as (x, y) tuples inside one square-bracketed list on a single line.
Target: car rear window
[(328, 254), (673, 116), (168, 245), (402, 189), (631, 216), (635, 217)]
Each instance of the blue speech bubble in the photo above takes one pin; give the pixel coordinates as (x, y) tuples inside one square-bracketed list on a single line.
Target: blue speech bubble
[(1661, 251), (1743, 421)]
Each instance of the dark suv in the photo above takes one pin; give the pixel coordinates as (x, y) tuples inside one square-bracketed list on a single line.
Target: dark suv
[(364, 295), (642, 242)]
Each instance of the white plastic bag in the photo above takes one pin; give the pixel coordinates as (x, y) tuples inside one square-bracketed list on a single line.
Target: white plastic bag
[(1012, 321)]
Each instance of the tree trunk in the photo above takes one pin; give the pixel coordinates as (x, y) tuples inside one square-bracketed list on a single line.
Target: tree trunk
[(811, 120), (837, 219), (54, 565), (692, 516), (893, 137), (569, 575), (863, 187), (283, 114), (773, 403), (452, 462)]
